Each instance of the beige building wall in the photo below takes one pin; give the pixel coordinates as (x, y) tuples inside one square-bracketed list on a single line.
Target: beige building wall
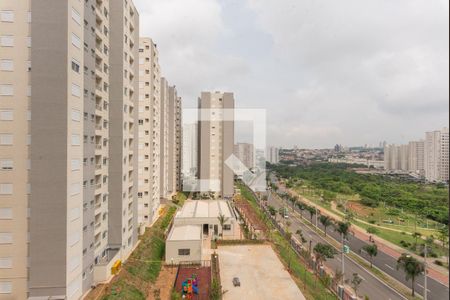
[(124, 105), (432, 155), (15, 56), (416, 157), (164, 141), (56, 202), (216, 143), (149, 131), (174, 141)]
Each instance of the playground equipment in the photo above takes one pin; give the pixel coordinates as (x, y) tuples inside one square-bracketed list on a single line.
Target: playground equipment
[(189, 287)]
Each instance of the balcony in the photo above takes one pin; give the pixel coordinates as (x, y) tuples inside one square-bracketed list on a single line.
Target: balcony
[(98, 186)]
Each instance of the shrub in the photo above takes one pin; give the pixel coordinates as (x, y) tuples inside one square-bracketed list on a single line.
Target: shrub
[(439, 263)]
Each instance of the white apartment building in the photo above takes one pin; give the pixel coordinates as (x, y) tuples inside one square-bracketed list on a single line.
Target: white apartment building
[(149, 131), (436, 155), (164, 141), (246, 154), (216, 143), (174, 142), (416, 157), (55, 217), (190, 152), (15, 115), (124, 108), (273, 155)]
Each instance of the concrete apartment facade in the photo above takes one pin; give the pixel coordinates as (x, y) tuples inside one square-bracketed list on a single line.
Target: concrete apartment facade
[(216, 143), (164, 141), (246, 153), (62, 227), (174, 141), (416, 157), (436, 155), (190, 155), (123, 94), (149, 131), (15, 115), (273, 155)]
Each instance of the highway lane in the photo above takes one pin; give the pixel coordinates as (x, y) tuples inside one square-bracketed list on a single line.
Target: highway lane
[(371, 286), (388, 264)]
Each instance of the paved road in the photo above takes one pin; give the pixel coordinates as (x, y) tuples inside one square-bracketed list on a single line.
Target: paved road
[(436, 290), (370, 286)]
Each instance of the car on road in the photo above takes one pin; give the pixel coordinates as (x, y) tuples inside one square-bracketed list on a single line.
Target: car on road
[(236, 281)]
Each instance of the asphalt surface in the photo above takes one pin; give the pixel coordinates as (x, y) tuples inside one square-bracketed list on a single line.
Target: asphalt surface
[(386, 263)]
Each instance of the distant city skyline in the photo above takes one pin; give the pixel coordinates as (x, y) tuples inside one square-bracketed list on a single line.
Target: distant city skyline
[(351, 76)]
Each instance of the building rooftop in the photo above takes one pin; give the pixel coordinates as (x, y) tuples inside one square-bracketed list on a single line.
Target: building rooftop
[(185, 233), (205, 209)]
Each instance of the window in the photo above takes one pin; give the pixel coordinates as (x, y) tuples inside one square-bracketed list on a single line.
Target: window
[(6, 164), (184, 252), (76, 41), (6, 115), (76, 115), (5, 287), (7, 16), (226, 227), (28, 42), (6, 238), (75, 140), (6, 65), (6, 90), (75, 66), (6, 139), (76, 16), (75, 189), (75, 164), (74, 214), (76, 90), (5, 262), (7, 41), (6, 188), (29, 17), (5, 213)]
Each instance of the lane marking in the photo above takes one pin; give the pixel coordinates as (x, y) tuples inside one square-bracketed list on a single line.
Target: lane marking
[(423, 287), (389, 267)]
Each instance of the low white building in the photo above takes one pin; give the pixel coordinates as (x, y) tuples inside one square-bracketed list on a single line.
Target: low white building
[(195, 224), (184, 244), (206, 213)]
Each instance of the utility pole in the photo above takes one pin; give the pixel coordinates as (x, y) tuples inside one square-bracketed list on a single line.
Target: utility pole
[(425, 292)]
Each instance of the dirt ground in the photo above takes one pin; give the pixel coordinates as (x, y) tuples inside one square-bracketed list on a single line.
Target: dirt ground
[(164, 283), (261, 273)]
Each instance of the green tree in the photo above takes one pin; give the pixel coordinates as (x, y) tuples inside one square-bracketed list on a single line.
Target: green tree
[(416, 236), (222, 220), (411, 267), (216, 290), (326, 221), (312, 211), (372, 251), (322, 252), (356, 282), (372, 230)]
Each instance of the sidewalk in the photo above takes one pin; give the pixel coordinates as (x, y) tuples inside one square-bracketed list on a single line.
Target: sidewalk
[(383, 245)]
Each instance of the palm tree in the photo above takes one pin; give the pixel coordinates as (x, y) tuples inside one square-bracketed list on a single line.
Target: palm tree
[(312, 211), (372, 251), (222, 220), (326, 221), (343, 228), (412, 268)]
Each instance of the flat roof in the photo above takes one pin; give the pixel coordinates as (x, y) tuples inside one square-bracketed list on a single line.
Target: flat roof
[(185, 233), (205, 209)]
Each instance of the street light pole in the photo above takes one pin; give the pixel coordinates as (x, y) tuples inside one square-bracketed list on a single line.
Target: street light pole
[(316, 218), (425, 292), (343, 260)]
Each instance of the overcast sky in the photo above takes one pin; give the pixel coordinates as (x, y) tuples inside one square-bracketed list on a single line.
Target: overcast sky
[(352, 72)]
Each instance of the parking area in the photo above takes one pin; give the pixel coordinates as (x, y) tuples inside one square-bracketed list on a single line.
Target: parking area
[(261, 274)]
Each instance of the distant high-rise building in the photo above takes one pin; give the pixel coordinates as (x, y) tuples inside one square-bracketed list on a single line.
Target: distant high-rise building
[(246, 153), (149, 131), (436, 155), (190, 153), (216, 143), (273, 155), (416, 157)]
